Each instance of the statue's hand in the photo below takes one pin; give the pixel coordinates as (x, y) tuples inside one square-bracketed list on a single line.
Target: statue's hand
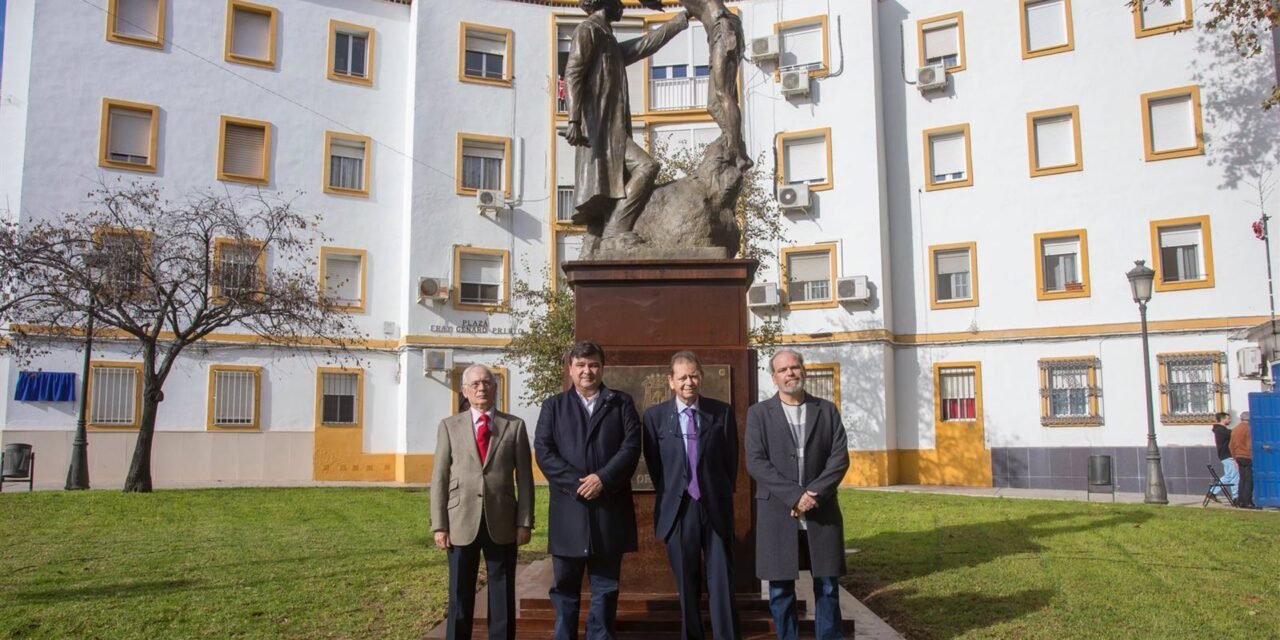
[(575, 136)]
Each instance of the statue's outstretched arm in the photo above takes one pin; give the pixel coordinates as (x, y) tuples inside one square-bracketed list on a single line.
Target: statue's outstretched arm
[(640, 48)]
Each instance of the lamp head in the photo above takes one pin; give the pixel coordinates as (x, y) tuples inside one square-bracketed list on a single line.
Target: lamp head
[(1140, 279)]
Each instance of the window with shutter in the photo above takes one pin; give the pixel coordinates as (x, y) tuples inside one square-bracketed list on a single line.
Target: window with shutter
[(128, 137), (482, 163), (947, 158), (1046, 27), (802, 44), (953, 279), (243, 150), (1171, 123), (809, 274), (346, 168), (139, 22), (485, 53), (1153, 17), (343, 274), (805, 156), (481, 277), (1053, 137), (1182, 253), (251, 34), (941, 41), (1062, 264)]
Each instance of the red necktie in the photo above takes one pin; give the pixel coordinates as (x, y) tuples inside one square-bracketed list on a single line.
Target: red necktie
[(482, 436)]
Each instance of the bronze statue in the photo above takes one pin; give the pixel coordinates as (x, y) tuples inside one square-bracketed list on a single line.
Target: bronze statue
[(614, 174)]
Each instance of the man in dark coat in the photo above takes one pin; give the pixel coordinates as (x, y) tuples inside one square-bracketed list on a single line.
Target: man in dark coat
[(1222, 442), (614, 174), (691, 450), (588, 445), (797, 452)]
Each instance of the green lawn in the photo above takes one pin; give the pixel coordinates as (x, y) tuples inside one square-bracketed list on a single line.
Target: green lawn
[(357, 563)]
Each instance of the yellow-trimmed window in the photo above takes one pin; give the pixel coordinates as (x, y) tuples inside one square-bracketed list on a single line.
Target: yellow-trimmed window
[(137, 22), (1062, 264), (948, 162), (239, 269), (957, 392), (822, 379), (485, 54), (251, 34), (460, 403), (809, 275), (1153, 17), (1053, 141), (351, 49), (941, 41), (484, 162), (1191, 386), (121, 256), (1172, 126), (235, 397), (806, 157), (347, 166), (802, 44), (340, 396), (115, 394), (244, 150), (129, 135), (1069, 392), (481, 278), (1182, 251), (1046, 27), (954, 275), (342, 274)]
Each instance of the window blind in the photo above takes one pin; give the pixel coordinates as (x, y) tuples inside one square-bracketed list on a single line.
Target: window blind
[(947, 154), (244, 150), (941, 40), (342, 278), (1055, 141), (481, 268), (1061, 247), (251, 34), (1172, 124), (953, 262), (1156, 14), (801, 46), (808, 267), (484, 42), (676, 52), (1046, 24), (129, 136), (138, 18), (805, 159), (1182, 236)]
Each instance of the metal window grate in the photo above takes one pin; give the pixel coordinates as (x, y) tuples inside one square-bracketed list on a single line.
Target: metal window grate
[(338, 398), (115, 396), (821, 382), (235, 398)]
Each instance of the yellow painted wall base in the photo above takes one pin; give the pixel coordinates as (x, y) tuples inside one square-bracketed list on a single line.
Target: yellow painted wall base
[(339, 455), (926, 466), (871, 469)]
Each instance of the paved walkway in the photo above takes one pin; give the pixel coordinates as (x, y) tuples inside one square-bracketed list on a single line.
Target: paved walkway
[(1180, 500)]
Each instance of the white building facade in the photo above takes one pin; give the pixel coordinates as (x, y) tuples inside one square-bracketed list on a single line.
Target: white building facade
[(992, 216)]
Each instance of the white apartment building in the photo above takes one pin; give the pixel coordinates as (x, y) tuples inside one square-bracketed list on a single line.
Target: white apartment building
[(982, 172)]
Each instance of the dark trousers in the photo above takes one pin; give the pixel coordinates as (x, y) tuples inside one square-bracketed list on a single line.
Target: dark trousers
[(1245, 493), (691, 540), (826, 597), (500, 564), (603, 571)]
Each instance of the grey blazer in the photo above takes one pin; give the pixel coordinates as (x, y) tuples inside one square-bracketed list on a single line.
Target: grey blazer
[(462, 489)]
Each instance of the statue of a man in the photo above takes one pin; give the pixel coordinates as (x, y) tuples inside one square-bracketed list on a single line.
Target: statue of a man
[(614, 174)]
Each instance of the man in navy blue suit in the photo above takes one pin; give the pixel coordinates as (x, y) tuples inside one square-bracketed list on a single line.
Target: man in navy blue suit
[(588, 444), (691, 449)]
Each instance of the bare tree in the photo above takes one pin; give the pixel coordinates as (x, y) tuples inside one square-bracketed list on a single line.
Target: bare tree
[(167, 274)]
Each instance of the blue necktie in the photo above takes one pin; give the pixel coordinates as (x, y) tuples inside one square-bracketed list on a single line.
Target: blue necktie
[(691, 441)]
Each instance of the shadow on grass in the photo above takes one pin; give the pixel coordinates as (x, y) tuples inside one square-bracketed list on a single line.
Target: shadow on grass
[(892, 557), (115, 590)]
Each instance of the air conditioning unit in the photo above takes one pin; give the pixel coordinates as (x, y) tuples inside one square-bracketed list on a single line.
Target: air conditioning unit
[(765, 48), (432, 289), (795, 82), (931, 77), (763, 295), (853, 289), (490, 200), (794, 197), (436, 360), (1249, 362)]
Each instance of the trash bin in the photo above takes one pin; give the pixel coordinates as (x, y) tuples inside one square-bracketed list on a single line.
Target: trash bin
[(17, 461), (1099, 470)]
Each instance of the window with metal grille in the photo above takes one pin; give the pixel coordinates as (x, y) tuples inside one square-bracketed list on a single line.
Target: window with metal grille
[(481, 277), (113, 395), (338, 397), (822, 381), (482, 164), (119, 259), (346, 163), (958, 394), (235, 397), (809, 276), (238, 267), (1069, 392), (1191, 386)]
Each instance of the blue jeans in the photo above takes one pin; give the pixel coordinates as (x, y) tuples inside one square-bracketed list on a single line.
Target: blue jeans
[(1230, 474), (826, 614)]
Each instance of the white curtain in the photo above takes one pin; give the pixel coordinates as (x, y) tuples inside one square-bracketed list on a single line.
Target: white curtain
[(346, 164)]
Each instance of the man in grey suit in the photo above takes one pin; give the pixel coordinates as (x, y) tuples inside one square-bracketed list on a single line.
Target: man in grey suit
[(797, 453), (482, 457)]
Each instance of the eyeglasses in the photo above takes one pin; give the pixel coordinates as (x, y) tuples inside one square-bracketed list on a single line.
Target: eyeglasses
[(480, 383)]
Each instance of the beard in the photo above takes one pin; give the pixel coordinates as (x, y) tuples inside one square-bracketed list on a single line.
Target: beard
[(795, 386)]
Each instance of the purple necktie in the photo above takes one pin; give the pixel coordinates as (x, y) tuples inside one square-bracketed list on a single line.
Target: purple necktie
[(692, 440)]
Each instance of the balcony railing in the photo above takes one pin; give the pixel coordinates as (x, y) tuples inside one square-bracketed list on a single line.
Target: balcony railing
[(674, 94), (564, 203)]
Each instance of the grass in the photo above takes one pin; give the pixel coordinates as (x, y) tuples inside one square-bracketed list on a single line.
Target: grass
[(358, 563)]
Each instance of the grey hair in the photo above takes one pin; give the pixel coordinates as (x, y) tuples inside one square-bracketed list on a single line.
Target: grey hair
[(793, 352), (477, 365), (687, 356)]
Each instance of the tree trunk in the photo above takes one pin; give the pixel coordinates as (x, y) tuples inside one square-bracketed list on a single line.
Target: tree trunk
[(139, 478)]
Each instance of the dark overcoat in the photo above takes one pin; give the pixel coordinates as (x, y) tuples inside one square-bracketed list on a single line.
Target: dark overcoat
[(771, 461), (570, 446), (666, 455), (595, 79)]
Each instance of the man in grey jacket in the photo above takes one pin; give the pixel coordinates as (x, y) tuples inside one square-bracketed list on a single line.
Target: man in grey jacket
[(797, 452)]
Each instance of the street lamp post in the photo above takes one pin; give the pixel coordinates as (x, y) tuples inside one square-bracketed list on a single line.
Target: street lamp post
[(78, 472), (1141, 278)]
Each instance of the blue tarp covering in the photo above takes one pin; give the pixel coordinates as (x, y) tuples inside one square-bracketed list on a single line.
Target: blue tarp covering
[(45, 386)]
